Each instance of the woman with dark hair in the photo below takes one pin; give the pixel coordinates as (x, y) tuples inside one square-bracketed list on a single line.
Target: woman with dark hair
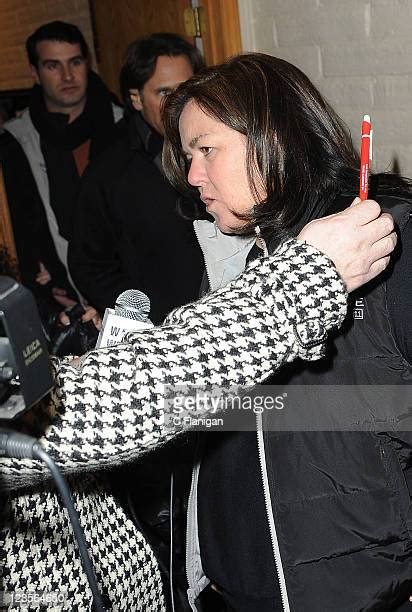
[(108, 408), (303, 520)]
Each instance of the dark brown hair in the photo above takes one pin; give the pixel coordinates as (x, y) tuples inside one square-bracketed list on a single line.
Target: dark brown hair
[(59, 31), (299, 146), (141, 56)]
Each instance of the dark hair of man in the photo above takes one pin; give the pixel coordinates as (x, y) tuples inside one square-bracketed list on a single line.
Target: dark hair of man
[(297, 146), (57, 31), (140, 60)]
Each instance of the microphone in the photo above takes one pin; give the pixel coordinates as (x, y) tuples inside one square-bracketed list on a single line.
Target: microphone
[(134, 305), (131, 313)]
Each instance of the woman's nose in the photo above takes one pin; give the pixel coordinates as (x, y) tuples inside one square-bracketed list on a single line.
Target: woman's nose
[(196, 175)]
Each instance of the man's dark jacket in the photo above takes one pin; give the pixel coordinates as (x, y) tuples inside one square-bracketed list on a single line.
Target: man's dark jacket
[(127, 231), (34, 242), (42, 179)]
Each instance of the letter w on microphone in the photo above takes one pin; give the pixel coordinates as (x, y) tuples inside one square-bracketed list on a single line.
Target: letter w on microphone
[(115, 327)]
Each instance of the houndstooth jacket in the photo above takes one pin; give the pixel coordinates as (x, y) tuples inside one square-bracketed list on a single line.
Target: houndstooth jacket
[(108, 411)]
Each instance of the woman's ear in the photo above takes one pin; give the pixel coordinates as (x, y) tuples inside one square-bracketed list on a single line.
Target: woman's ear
[(136, 99)]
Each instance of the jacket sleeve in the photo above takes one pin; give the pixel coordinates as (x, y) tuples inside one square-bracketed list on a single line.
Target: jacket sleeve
[(94, 261), (34, 242), (109, 409)]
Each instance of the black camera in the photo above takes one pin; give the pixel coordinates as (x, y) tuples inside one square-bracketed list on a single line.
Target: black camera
[(25, 370)]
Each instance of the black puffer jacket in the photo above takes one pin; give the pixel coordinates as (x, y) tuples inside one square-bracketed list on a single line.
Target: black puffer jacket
[(331, 509), (349, 491)]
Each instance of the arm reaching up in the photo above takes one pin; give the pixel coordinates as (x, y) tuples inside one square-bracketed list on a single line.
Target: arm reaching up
[(108, 410)]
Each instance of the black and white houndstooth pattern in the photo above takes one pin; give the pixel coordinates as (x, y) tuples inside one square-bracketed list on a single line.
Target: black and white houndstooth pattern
[(41, 555), (108, 412)]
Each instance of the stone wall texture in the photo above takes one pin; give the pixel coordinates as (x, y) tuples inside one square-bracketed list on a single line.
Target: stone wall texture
[(357, 52)]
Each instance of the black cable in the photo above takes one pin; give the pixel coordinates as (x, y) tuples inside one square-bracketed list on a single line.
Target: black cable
[(16, 445)]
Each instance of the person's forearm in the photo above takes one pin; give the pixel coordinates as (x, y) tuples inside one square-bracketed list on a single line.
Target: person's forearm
[(109, 410)]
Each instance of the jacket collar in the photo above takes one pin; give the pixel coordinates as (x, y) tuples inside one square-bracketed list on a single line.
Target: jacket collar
[(225, 255), (143, 138)]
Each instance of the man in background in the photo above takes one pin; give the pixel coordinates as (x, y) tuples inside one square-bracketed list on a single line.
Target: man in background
[(128, 233), (69, 121)]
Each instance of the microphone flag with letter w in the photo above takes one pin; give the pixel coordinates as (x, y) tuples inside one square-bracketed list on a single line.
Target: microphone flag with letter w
[(131, 313)]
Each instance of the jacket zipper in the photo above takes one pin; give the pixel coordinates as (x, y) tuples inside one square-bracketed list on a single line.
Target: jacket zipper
[(261, 242), (189, 539), (196, 579), (270, 516), (203, 253)]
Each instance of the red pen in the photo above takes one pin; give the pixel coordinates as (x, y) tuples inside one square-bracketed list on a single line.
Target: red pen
[(366, 157)]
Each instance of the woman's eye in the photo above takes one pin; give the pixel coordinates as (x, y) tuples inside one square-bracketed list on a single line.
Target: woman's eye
[(206, 150)]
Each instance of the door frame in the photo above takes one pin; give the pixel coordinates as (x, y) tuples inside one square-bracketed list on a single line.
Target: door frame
[(221, 35)]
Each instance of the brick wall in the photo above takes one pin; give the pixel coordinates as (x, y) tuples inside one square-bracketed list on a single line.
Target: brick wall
[(19, 18), (357, 52)]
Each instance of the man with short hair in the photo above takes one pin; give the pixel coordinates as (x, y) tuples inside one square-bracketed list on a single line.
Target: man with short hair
[(127, 231), (70, 120), (128, 234)]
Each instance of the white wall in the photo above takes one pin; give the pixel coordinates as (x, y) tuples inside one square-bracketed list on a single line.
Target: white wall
[(357, 52)]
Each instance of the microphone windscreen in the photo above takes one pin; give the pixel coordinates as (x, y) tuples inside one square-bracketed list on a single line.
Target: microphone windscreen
[(133, 304)]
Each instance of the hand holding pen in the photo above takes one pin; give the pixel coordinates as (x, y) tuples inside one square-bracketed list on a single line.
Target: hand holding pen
[(366, 157)]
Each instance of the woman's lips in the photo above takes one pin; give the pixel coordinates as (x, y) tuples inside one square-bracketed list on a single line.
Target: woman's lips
[(207, 201)]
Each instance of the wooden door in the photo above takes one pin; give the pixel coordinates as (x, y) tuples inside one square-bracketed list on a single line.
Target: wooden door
[(116, 24), (221, 30), (8, 254)]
